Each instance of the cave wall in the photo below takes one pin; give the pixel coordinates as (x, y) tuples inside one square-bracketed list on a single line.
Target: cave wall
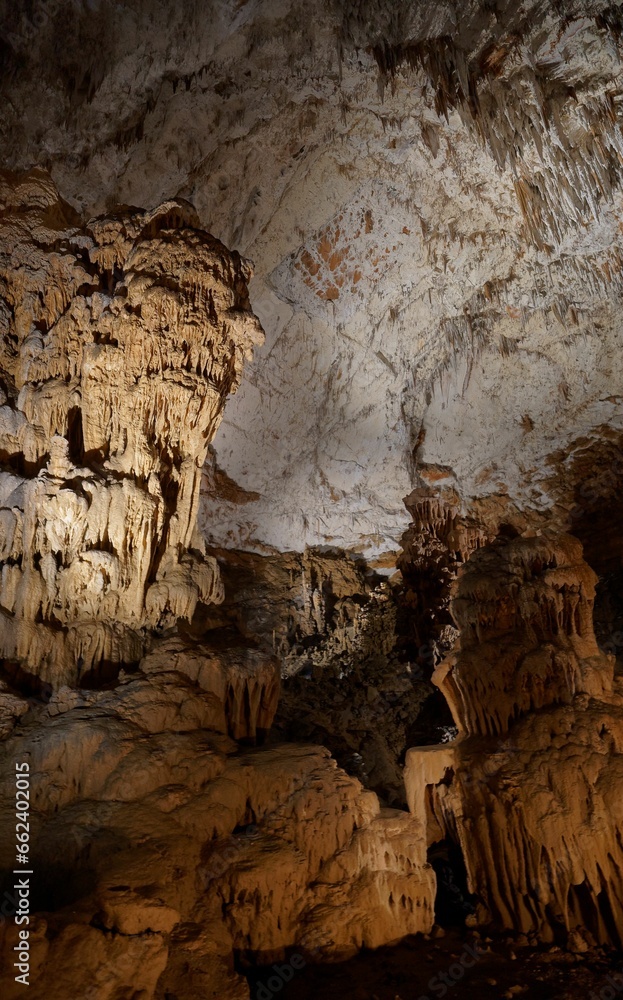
[(433, 207), (431, 199)]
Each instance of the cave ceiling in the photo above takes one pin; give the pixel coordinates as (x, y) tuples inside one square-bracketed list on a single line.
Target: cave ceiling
[(431, 196)]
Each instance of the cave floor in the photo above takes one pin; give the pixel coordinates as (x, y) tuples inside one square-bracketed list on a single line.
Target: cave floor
[(406, 972)]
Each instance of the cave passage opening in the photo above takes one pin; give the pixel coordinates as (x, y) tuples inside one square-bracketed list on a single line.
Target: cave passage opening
[(453, 900)]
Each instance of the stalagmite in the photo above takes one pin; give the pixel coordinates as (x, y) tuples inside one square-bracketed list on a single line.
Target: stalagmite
[(120, 343), (532, 789)]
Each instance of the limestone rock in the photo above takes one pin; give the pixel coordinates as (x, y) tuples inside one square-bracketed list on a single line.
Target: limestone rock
[(351, 678), (435, 221), (244, 681), (526, 634), (158, 847), (433, 196), (120, 341), (532, 788), (436, 543)]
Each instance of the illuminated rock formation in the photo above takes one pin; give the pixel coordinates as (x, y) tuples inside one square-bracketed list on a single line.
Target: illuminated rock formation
[(432, 195), (243, 681), (160, 848), (525, 614), (533, 788), (435, 229), (120, 342)]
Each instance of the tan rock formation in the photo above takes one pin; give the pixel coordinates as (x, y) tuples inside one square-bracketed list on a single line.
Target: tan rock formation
[(158, 846), (436, 229), (526, 634), (245, 683), (120, 342), (433, 195), (533, 788)]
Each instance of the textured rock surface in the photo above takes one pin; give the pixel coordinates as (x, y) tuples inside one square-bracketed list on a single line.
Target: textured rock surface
[(314, 609), (245, 682), (532, 789), (431, 197), (119, 343), (433, 201), (525, 614), (160, 847), (354, 679)]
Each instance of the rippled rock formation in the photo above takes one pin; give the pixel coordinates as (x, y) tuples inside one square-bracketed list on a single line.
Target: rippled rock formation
[(160, 849), (120, 342), (532, 789)]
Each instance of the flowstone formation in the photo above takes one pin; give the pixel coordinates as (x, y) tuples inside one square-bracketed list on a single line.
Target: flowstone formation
[(532, 789), (164, 845), (119, 343), (161, 850)]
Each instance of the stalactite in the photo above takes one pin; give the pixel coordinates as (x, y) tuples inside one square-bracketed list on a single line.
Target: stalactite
[(121, 341)]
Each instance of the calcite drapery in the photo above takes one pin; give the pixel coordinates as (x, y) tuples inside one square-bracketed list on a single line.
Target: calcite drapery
[(119, 342), (160, 848), (533, 787), (525, 616)]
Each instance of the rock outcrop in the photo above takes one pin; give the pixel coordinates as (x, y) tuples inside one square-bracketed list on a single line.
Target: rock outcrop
[(120, 342), (160, 849), (532, 789)]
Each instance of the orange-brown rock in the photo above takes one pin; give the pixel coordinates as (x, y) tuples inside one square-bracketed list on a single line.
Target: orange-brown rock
[(524, 611), (245, 682), (532, 789), (119, 343), (158, 845)]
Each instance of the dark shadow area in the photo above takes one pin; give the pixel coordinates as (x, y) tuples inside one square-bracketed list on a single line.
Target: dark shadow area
[(17, 465), (453, 902), (457, 965), (608, 616), (433, 725), (52, 886), (105, 675), (23, 683), (75, 437)]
